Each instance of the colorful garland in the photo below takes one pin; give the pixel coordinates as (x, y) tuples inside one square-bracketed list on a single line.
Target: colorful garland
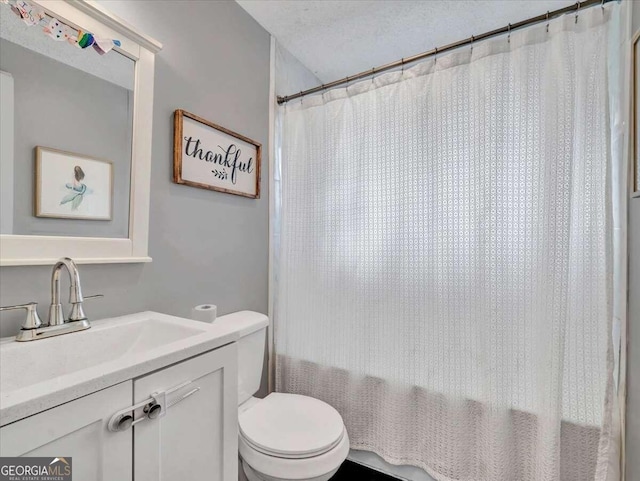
[(33, 15)]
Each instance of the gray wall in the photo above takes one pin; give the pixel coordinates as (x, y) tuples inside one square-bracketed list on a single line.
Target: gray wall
[(206, 246), (71, 110), (633, 354)]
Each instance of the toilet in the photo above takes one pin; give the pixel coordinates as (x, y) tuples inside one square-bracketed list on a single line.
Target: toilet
[(283, 436)]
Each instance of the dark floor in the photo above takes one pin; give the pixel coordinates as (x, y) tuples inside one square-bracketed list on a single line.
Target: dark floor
[(350, 471)]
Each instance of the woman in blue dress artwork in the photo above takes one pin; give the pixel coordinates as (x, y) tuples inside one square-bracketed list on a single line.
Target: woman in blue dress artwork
[(77, 189)]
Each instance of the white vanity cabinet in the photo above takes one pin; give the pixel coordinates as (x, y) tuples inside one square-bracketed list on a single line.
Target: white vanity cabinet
[(195, 437), (77, 429)]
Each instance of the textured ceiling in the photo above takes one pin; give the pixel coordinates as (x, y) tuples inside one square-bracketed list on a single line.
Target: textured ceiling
[(336, 38)]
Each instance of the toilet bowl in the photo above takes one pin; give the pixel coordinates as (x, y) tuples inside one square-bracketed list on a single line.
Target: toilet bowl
[(291, 437), (283, 437)]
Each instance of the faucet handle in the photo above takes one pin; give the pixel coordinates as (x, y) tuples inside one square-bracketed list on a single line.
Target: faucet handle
[(32, 321), (77, 311), (94, 296)]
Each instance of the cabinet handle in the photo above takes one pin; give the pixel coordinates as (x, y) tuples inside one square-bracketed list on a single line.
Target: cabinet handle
[(120, 422), (154, 407), (153, 410), (124, 419)]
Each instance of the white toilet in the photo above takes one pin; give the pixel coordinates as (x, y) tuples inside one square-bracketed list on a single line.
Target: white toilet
[(283, 436)]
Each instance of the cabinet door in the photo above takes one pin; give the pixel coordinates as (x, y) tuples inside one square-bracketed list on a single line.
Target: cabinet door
[(77, 429), (197, 438)]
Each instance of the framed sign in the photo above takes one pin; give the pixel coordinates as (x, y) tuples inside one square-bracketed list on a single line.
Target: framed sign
[(72, 186), (208, 156)]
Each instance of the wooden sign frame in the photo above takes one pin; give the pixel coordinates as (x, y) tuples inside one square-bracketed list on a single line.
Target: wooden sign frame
[(221, 170)]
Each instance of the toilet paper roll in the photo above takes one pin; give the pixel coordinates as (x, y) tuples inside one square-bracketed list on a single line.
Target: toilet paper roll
[(204, 313)]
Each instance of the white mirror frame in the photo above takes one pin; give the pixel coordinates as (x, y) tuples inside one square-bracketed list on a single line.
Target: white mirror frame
[(21, 250)]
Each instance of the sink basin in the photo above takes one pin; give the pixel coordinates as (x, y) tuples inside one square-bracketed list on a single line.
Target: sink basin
[(66, 354), (44, 373)]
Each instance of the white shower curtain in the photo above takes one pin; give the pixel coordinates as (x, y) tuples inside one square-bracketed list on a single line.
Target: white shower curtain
[(445, 268)]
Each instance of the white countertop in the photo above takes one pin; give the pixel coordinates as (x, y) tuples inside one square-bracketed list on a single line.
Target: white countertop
[(138, 350)]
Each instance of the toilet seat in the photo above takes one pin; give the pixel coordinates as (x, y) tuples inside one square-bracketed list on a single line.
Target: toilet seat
[(289, 437), (282, 469), (291, 426)]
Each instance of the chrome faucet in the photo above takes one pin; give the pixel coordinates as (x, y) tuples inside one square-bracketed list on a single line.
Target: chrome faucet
[(32, 328), (56, 316)]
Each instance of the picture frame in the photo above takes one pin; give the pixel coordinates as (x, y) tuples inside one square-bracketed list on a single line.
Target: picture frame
[(208, 156), (635, 105), (72, 186)]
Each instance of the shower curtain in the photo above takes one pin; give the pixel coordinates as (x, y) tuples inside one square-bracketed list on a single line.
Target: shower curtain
[(445, 256)]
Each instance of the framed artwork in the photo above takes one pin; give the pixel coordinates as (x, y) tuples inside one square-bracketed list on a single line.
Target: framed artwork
[(208, 156), (635, 176), (72, 186)]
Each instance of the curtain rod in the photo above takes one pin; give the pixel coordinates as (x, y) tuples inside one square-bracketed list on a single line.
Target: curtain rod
[(467, 41)]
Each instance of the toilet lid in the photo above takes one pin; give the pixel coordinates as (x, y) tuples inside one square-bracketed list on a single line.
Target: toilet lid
[(290, 425)]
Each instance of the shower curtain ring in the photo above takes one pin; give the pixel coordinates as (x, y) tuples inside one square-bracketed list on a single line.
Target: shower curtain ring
[(301, 97), (577, 10), (473, 39), (373, 73), (402, 64), (509, 33), (435, 56), (547, 21)]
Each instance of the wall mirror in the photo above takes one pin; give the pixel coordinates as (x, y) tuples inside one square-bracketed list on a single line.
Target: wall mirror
[(75, 135)]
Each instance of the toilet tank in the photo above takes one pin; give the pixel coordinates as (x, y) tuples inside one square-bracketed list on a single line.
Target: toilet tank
[(252, 329)]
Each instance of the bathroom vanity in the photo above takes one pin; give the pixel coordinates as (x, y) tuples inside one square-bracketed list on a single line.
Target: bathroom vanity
[(145, 396)]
